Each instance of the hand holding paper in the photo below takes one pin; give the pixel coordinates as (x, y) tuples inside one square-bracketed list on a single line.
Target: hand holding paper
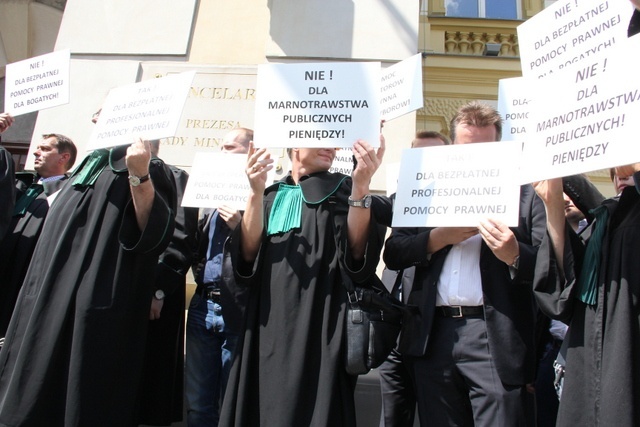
[(500, 240), (368, 162), (259, 162), (231, 216), (6, 120), (138, 157)]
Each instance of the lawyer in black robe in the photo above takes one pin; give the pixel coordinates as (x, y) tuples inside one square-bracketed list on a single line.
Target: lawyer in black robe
[(74, 348), (289, 367), (601, 383), (7, 190), (18, 245)]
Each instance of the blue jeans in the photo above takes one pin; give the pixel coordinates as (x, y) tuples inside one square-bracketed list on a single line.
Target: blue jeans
[(208, 361)]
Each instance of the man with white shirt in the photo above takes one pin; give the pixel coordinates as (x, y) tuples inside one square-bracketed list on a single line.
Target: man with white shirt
[(470, 345), (54, 156)]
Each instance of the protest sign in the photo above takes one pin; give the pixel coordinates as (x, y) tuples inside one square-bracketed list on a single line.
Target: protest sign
[(458, 185), (401, 88), (343, 162), (37, 83), (514, 104), (218, 179), (585, 119), (570, 31), (317, 104), (393, 171), (150, 110)]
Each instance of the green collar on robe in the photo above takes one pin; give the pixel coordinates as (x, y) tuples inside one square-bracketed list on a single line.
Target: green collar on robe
[(286, 212), (92, 166)]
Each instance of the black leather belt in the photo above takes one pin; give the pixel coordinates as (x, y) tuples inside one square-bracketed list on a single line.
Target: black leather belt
[(460, 311), (210, 292)]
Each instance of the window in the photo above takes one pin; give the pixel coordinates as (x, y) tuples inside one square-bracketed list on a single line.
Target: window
[(492, 9)]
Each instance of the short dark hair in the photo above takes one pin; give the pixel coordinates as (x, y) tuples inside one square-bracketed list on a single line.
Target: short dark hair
[(430, 134), (479, 115), (64, 144)]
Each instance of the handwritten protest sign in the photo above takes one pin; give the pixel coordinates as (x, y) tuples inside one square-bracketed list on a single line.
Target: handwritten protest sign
[(570, 31), (401, 88), (458, 185), (218, 179), (37, 83), (150, 110), (317, 104), (586, 119)]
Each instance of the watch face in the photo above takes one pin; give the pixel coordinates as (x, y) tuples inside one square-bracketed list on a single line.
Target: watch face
[(367, 201), (159, 294), (134, 180)]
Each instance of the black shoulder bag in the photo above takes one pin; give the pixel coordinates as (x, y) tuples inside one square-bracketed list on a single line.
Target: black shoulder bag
[(372, 322)]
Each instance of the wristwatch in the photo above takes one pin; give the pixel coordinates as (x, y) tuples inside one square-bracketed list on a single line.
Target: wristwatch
[(137, 180), (365, 202), (159, 295)]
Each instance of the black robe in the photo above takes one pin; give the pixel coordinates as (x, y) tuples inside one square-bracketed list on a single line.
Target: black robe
[(289, 368), (75, 345), (17, 247), (7, 190), (161, 394), (602, 372)]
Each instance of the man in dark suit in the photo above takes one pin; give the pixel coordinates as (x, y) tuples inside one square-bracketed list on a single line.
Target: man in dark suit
[(470, 345)]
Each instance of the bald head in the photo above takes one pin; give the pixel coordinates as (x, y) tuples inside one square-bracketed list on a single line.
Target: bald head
[(237, 141)]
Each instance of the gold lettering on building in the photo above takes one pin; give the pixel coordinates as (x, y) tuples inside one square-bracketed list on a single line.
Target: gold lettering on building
[(235, 94)]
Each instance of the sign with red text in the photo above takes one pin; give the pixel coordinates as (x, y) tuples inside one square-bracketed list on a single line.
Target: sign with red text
[(401, 88), (585, 118), (37, 83), (150, 109), (317, 104), (569, 32), (458, 185)]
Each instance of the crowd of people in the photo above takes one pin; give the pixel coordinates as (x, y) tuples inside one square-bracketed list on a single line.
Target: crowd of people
[(537, 324)]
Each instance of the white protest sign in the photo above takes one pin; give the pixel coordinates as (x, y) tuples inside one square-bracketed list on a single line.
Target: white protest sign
[(393, 171), (317, 104), (343, 162), (401, 88), (37, 83), (570, 31), (150, 110), (514, 104), (458, 185), (218, 179), (586, 119)]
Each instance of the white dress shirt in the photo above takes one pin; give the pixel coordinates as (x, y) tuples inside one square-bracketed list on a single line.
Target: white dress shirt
[(460, 282)]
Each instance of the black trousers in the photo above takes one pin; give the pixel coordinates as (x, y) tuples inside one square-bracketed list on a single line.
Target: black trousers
[(398, 393), (457, 383)]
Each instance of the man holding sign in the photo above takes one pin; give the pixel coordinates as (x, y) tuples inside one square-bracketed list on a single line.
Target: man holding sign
[(470, 346), (211, 339)]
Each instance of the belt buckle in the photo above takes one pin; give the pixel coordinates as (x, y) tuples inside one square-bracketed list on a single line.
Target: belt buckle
[(459, 308)]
